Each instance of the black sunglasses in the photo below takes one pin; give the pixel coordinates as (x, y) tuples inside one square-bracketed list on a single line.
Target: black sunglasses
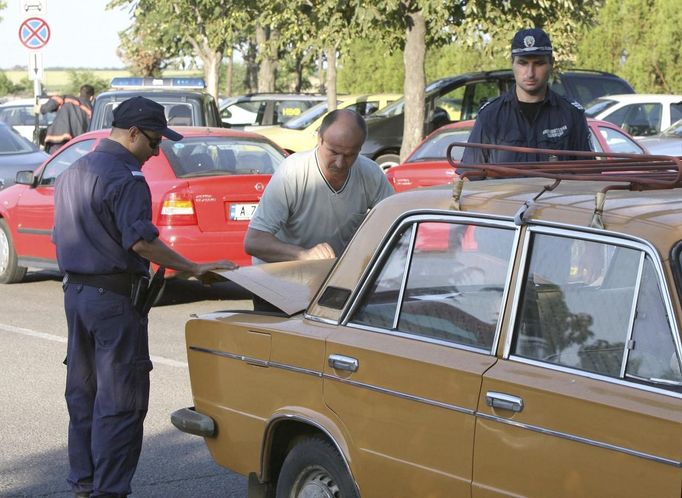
[(153, 142)]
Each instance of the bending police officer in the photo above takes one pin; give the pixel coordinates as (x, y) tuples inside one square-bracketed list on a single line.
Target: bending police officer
[(105, 240)]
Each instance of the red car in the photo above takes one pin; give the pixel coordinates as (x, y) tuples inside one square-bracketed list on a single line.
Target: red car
[(427, 166), (204, 190)]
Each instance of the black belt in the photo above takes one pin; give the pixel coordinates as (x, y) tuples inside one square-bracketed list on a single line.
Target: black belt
[(120, 283)]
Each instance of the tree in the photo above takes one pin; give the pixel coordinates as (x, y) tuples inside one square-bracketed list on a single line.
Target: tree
[(639, 40), (202, 28)]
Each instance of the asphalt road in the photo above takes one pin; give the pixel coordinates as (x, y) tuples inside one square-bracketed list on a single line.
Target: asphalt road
[(33, 416)]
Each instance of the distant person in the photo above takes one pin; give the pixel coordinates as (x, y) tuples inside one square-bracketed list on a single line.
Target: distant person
[(105, 241), (530, 114), (72, 118), (317, 199)]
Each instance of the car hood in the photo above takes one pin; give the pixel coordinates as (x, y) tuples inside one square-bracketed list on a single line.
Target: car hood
[(289, 286), (662, 146)]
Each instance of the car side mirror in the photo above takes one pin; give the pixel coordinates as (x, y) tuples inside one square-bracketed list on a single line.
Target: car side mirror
[(25, 178)]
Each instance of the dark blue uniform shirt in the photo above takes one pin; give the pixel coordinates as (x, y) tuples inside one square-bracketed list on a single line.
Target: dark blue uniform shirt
[(559, 124), (102, 208)]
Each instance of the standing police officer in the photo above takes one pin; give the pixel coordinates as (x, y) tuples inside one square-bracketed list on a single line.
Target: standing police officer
[(105, 240), (530, 114)]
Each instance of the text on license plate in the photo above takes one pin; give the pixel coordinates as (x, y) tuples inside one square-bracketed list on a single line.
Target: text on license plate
[(242, 211)]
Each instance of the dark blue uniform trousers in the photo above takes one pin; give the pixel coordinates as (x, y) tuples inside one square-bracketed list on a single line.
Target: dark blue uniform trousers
[(107, 389)]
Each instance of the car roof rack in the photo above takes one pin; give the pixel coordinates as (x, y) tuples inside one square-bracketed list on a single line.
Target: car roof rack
[(620, 171)]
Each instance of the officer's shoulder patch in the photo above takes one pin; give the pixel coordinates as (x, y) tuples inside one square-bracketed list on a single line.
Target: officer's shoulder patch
[(577, 105), (138, 173)]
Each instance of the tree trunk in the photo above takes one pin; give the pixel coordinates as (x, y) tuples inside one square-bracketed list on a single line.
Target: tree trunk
[(212, 61), (299, 74), (268, 63), (331, 77), (229, 72), (251, 74), (320, 72), (415, 83)]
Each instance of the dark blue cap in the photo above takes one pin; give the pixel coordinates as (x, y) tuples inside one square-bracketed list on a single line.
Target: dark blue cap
[(531, 41), (143, 113)]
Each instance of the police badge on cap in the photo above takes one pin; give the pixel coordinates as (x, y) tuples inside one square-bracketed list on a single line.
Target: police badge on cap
[(531, 41)]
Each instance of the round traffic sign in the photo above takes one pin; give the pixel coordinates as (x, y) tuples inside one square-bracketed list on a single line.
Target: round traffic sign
[(34, 33)]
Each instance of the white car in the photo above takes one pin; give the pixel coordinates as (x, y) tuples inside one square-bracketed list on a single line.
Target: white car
[(640, 115), (19, 115)]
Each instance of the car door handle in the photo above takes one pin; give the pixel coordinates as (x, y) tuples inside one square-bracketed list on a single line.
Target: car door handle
[(340, 362), (504, 401)]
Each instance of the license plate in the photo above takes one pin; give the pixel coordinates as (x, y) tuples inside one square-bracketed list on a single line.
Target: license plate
[(242, 211)]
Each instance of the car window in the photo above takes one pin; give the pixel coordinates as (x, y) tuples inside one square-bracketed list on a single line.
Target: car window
[(618, 141), (598, 106), (437, 145), (675, 130), (477, 94), (587, 87), (638, 119), (216, 156), (442, 281), (289, 109), (576, 310), (65, 158), (308, 117), (11, 142), (675, 112)]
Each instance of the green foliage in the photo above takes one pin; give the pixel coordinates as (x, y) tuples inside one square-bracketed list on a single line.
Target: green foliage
[(640, 40), (79, 78), (6, 86), (365, 69), (456, 58)]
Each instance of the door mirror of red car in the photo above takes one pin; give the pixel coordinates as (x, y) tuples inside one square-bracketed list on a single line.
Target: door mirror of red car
[(25, 178)]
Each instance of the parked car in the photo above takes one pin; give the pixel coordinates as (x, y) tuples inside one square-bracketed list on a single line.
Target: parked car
[(184, 99), (534, 358), (666, 143), (639, 114), (265, 109), (16, 154), (427, 165), (301, 133), (19, 115), (204, 190), (459, 97)]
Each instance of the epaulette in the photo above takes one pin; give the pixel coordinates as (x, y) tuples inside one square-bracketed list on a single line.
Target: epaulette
[(484, 104), (577, 105)]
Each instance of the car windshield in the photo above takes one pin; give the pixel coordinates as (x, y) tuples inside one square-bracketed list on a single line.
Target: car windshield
[(307, 118), (598, 106), (437, 146), (218, 156), (13, 143), (22, 115), (674, 130)]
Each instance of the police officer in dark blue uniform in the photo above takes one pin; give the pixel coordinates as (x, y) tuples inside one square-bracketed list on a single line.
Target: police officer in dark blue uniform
[(105, 240), (530, 114)]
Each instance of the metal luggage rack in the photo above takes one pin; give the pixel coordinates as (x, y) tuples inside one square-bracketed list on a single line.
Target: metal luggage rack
[(620, 171)]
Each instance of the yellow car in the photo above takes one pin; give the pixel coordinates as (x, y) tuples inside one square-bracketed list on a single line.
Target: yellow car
[(506, 342), (300, 133)]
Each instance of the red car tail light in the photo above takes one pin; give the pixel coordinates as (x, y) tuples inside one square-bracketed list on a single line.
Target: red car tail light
[(177, 208)]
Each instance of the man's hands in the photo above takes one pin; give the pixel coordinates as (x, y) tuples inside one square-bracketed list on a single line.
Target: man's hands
[(320, 251)]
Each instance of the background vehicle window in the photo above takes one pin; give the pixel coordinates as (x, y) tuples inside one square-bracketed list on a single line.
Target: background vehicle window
[(619, 142), (652, 356), (64, 159), (575, 310), (675, 112), (454, 285), (476, 95), (437, 145), (200, 156)]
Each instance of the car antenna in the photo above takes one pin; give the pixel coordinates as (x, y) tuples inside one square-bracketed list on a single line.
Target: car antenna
[(634, 172)]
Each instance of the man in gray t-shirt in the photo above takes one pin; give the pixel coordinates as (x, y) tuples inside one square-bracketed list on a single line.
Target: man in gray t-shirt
[(317, 199)]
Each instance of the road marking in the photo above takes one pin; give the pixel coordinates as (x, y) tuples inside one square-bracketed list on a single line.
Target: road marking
[(57, 338)]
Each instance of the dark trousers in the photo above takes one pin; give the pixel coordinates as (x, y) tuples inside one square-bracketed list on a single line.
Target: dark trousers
[(107, 389)]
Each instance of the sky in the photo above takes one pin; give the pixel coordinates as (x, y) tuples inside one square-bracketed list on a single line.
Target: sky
[(82, 34)]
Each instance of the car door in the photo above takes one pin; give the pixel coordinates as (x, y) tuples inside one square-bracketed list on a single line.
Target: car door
[(34, 211), (404, 372), (587, 400)]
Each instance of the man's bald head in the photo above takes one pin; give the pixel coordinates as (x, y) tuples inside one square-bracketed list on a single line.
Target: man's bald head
[(344, 120)]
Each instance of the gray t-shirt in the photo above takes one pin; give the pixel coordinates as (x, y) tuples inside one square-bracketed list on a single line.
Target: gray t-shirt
[(299, 206)]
